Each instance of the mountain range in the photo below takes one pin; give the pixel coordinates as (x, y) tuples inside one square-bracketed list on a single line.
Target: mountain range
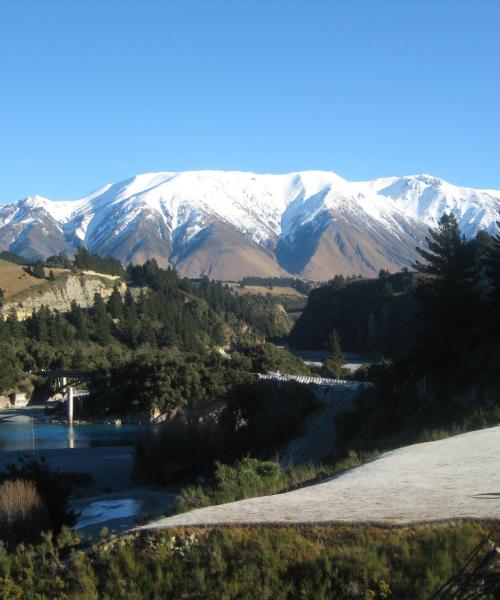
[(227, 224)]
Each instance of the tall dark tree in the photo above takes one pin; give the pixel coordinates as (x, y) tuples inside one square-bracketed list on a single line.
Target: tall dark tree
[(447, 293), (333, 364), (115, 304), (102, 320), (493, 273)]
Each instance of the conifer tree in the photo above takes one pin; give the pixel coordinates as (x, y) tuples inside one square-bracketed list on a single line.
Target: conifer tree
[(102, 321), (493, 272), (333, 364), (115, 304), (446, 293)]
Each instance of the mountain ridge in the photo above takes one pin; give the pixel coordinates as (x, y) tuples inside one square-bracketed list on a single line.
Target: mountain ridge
[(231, 224)]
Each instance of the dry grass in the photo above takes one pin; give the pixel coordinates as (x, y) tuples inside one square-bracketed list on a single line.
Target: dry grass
[(14, 279), (21, 510)]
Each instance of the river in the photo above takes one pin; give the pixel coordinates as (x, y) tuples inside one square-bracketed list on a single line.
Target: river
[(104, 451)]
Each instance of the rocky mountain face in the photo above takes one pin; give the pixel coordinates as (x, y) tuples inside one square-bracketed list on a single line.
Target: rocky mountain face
[(228, 225)]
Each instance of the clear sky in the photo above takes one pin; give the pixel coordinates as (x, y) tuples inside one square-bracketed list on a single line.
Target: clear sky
[(94, 91)]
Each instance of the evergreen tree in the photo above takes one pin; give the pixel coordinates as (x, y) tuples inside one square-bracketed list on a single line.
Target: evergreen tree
[(101, 321), (333, 364), (79, 319), (493, 273), (446, 293), (37, 270), (115, 304)]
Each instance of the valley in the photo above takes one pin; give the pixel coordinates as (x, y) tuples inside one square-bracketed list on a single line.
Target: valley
[(308, 409)]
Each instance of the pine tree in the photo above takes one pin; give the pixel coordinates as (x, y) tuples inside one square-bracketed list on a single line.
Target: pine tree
[(493, 273), (102, 321), (37, 270), (333, 364), (115, 304), (446, 293)]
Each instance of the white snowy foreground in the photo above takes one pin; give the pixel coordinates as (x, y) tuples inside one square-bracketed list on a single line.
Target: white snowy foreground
[(458, 477)]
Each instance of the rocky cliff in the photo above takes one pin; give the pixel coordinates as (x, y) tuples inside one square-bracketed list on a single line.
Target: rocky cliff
[(58, 295)]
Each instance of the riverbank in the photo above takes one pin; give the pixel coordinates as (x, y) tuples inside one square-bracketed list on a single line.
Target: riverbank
[(109, 498)]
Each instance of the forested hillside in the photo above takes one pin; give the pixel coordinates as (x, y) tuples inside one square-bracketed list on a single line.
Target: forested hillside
[(159, 310), (448, 381), (376, 316)]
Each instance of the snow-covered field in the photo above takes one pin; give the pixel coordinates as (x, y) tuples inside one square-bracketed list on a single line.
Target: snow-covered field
[(458, 477)]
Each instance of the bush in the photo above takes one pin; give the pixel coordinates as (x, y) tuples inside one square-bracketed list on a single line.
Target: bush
[(53, 488), (250, 477), (22, 512)]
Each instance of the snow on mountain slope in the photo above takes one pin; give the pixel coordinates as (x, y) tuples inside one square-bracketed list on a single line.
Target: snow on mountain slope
[(308, 223)]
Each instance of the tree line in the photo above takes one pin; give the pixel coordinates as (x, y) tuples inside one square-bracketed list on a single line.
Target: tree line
[(449, 379)]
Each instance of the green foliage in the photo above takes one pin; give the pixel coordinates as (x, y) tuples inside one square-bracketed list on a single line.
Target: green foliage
[(447, 295), (10, 371), (446, 374), (162, 380), (375, 316), (250, 477), (304, 287), (333, 364), (166, 314), (265, 358), (59, 260), (85, 261), (14, 258), (36, 269), (260, 312), (273, 563)]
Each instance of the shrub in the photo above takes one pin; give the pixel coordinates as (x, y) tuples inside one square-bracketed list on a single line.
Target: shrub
[(53, 488), (22, 511)]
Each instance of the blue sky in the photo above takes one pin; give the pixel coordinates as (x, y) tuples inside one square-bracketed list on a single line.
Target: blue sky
[(93, 91)]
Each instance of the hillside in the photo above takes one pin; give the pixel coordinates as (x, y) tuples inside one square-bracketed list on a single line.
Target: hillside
[(447, 479), (15, 280), (228, 225), (25, 293), (371, 315)]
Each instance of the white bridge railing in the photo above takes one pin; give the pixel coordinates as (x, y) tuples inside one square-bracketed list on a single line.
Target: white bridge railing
[(310, 380)]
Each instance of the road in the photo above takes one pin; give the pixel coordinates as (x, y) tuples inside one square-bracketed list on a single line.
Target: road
[(318, 439), (454, 478)]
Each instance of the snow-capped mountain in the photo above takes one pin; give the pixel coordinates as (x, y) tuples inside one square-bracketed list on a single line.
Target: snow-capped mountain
[(231, 224)]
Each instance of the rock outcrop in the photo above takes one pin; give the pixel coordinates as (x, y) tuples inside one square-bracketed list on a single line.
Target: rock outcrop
[(58, 295)]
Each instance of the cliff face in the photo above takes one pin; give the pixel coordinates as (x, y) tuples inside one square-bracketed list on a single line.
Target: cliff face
[(59, 294)]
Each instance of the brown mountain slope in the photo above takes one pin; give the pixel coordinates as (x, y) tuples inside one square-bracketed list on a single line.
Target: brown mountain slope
[(221, 253), (346, 247)]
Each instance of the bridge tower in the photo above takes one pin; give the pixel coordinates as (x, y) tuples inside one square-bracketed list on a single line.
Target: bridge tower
[(70, 405)]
